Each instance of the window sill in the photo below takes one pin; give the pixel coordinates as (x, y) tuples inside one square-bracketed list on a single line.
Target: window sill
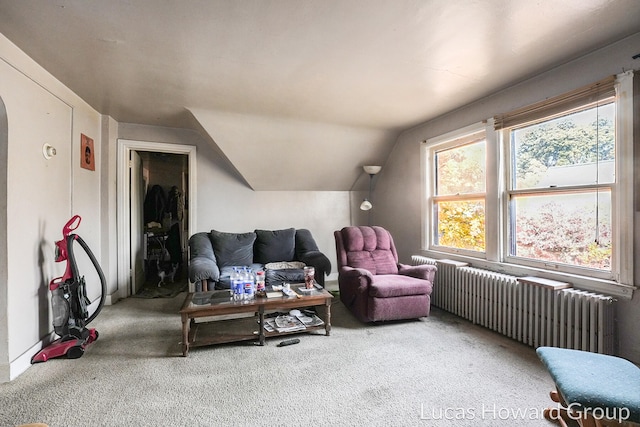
[(607, 287)]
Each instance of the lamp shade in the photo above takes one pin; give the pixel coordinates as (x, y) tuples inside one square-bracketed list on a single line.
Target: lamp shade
[(365, 205), (372, 170)]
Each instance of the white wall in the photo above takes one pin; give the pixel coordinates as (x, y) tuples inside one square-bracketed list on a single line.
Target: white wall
[(226, 203), (399, 191), (41, 196), (108, 203)]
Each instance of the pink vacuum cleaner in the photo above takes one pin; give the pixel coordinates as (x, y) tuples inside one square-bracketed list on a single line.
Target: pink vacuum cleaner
[(69, 301)]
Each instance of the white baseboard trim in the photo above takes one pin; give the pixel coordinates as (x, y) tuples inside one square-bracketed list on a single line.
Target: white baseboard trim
[(23, 362), (112, 299)]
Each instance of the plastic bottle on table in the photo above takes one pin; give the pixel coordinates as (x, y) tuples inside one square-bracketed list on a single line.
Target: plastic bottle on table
[(237, 284), (249, 284), (260, 284)]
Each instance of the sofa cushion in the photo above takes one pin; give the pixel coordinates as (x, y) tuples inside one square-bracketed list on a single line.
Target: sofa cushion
[(232, 248), (274, 245)]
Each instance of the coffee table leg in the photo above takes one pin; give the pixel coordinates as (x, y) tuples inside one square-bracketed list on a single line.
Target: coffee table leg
[(185, 335), (261, 325), (327, 326)]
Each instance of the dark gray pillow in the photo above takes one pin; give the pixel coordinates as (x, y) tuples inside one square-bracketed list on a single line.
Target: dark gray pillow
[(232, 248), (275, 246)]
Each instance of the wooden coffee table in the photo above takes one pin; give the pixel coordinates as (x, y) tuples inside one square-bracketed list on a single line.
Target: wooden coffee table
[(246, 328)]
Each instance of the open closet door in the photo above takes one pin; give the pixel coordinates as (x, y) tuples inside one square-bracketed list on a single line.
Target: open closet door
[(137, 223)]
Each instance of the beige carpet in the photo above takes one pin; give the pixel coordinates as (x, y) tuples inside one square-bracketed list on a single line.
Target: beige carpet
[(437, 371)]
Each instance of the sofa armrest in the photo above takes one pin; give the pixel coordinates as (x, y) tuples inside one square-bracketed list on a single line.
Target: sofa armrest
[(318, 260), (307, 251), (424, 271), (202, 260), (203, 268)]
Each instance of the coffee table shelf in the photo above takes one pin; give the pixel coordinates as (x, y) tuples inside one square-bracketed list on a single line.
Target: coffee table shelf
[(220, 329)]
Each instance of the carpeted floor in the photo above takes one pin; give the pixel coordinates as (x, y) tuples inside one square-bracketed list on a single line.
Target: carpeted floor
[(436, 371)]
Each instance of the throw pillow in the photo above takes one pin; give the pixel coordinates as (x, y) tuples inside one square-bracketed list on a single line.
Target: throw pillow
[(232, 248), (275, 246)]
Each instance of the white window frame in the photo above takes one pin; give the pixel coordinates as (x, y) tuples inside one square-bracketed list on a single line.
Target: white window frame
[(494, 258), (511, 193), (430, 148)]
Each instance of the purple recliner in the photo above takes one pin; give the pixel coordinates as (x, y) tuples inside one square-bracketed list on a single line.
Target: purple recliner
[(373, 285)]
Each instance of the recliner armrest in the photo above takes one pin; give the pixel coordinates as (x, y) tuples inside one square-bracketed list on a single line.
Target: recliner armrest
[(424, 271), (350, 272)]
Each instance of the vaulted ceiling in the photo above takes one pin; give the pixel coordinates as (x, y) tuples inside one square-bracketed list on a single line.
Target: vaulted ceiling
[(322, 86)]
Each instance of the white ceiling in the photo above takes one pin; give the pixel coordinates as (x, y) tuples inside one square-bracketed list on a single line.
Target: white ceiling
[(369, 68)]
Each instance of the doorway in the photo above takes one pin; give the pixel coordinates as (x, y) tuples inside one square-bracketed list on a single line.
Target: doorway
[(159, 213), (142, 240)]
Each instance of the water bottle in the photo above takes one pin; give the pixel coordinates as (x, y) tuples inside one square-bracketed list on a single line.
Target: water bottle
[(237, 285), (249, 285)]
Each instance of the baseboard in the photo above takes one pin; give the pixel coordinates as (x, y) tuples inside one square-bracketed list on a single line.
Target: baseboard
[(23, 362), (112, 299)]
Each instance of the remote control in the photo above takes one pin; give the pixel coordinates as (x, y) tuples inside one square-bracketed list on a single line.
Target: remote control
[(289, 342)]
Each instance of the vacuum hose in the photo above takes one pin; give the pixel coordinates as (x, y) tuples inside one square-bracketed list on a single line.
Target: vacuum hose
[(74, 269)]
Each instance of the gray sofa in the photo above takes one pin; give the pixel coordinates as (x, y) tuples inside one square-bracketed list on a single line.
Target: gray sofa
[(280, 253)]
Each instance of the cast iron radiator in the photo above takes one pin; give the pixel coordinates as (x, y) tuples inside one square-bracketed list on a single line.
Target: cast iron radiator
[(534, 311)]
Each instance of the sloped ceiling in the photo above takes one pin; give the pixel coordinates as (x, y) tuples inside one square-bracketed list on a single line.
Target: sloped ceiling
[(321, 87)]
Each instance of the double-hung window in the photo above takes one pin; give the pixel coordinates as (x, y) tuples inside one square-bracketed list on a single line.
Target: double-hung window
[(560, 166), (458, 192), (563, 176)]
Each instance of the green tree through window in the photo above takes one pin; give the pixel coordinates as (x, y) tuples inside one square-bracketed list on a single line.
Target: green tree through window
[(570, 223)]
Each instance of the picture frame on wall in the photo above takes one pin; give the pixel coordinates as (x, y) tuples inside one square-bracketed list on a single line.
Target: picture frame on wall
[(87, 157)]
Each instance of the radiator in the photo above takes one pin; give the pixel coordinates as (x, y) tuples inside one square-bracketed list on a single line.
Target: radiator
[(534, 311)]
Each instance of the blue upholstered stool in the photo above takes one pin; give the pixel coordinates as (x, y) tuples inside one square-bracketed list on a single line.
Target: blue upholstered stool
[(592, 389)]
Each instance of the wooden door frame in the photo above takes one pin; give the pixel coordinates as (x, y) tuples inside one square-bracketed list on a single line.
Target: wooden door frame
[(123, 191)]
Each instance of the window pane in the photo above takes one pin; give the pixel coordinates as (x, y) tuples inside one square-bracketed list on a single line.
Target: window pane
[(575, 149), (461, 224), (570, 229), (461, 170)]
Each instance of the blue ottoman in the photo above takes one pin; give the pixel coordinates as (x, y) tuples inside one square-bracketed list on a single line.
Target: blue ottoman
[(592, 388)]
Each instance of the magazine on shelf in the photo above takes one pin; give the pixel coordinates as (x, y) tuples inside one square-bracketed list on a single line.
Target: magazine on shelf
[(283, 323), (310, 320), (289, 323)]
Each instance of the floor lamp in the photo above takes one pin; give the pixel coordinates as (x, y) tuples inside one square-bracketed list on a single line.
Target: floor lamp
[(366, 204)]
